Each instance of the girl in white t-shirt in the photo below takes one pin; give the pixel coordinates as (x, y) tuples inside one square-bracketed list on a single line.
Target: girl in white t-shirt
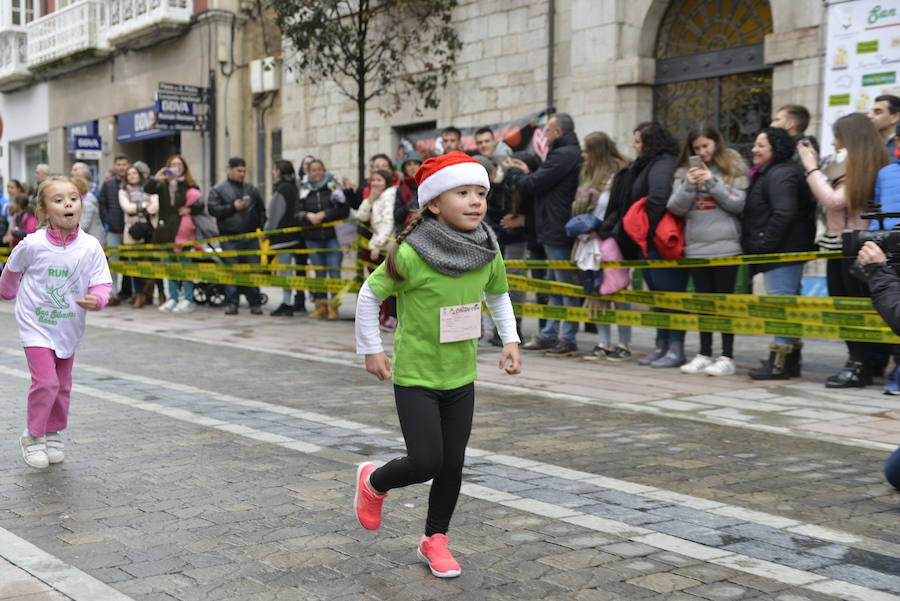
[(56, 275)]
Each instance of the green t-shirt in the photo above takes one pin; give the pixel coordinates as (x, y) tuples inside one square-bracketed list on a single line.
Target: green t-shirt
[(420, 359)]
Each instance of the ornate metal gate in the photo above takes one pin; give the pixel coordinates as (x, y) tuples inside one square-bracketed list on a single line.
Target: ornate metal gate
[(710, 67)]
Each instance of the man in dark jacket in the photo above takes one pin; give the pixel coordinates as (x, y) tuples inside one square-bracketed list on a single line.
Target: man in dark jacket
[(112, 216), (238, 209), (553, 186)]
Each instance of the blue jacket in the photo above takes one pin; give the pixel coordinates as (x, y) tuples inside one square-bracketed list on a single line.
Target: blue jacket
[(887, 193)]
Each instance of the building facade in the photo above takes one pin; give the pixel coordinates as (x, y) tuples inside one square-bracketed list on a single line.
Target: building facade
[(609, 63), (97, 66)]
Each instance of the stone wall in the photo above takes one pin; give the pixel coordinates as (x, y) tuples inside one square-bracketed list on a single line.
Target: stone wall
[(603, 74)]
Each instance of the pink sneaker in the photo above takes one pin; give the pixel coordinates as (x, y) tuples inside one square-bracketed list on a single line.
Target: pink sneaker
[(367, 503), (435, 553)]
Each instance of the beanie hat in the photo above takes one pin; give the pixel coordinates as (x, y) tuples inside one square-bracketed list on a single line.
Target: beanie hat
[(448, 171)]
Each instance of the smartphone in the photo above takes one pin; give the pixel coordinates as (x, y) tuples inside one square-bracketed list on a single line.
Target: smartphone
[(168, 172), (695, 161)]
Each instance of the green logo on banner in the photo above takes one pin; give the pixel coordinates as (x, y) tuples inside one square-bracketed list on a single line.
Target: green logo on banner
[(877, 13), (839, 100), (655, 320), (715, 324), (861, 334), (867, 47), (698, 306), (555, 312), (843, 319), (778, 300), (879, 79), (791, 330), (766, 312)]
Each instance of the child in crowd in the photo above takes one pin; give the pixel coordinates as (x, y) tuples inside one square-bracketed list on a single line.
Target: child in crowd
[(447, 260), (22, 220), (56, 275)]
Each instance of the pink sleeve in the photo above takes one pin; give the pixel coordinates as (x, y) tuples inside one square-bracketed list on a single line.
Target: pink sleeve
[(192, 196), (826, 196), (101, 291), (9, 283)]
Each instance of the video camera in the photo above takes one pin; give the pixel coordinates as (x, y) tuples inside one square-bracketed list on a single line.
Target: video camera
[(888, 240)]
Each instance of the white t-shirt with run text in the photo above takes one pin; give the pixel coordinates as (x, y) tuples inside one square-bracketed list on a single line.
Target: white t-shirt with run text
[(53, 278)]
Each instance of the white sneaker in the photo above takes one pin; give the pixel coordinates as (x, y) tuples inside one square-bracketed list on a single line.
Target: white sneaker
[(183, 306), (696, 365), (722, 367), (168, 305), (34, 451), (55, 447)]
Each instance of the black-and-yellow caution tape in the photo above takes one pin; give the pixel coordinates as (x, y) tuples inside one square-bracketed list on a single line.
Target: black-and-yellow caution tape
[(661, 263)]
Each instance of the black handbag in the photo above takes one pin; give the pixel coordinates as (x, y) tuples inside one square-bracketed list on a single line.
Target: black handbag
[(142, 230)]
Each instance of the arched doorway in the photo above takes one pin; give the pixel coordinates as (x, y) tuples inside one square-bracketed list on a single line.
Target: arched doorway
[(709, 66)]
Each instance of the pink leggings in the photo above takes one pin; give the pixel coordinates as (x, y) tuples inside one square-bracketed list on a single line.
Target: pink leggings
[(51, 387)]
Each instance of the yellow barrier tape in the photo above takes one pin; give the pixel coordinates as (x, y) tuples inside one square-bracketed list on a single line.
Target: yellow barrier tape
[(660, 263), (204, 254), (255, 234), (220, 274), (704, 323), (658, 298)]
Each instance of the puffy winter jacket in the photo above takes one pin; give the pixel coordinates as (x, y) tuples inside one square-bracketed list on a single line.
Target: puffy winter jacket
[(553, 186), (779, 214), (230, 220)]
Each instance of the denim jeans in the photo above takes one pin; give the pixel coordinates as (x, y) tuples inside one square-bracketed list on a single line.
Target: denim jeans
[(673, 279), (604, 330), (325, 259), (551, 330), (187, 285), (784, 280), (233, 293)]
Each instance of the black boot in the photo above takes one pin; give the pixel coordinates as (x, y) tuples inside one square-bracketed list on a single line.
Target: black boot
[(794, 360), (299, 302), (774, 368), (852, 375)]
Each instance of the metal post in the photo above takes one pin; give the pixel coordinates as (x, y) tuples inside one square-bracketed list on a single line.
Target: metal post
[(211, 125)]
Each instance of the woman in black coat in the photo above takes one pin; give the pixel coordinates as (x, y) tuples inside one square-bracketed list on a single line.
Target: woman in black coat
[(653, 175), (779, 217)]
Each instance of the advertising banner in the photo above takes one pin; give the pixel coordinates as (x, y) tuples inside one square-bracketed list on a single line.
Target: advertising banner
[(862, 58)]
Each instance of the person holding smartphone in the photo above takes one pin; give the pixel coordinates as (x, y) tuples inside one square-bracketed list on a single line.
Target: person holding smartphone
[(709, 192)]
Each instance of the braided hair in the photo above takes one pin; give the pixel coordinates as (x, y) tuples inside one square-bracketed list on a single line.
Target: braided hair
[(390, 262)]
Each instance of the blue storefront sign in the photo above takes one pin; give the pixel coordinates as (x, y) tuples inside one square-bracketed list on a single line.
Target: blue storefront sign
[(88, 128), (138, 125), (88, 147)]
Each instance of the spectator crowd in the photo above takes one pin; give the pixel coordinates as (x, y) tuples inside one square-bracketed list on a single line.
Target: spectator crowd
[(586, 201)]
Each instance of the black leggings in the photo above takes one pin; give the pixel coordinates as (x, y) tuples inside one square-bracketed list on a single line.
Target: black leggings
[(436, 426), (719, 279)]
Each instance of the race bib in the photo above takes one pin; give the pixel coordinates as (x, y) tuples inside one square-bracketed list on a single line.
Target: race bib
[(460, 322)]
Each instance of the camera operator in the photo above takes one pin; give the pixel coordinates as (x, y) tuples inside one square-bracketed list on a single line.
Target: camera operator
[(884, 284)]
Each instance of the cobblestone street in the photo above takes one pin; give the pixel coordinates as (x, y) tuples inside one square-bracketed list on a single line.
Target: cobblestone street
[(212, 458)]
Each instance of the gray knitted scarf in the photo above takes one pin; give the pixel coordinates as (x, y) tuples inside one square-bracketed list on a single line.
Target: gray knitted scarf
[(451, 252)]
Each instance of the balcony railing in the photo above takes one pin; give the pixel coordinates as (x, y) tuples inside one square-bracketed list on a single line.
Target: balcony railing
[(13, 51), (138, 22), (78, 29)]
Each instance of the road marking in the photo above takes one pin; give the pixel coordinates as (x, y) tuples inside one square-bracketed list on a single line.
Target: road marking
[(57, 574), (736, 561)]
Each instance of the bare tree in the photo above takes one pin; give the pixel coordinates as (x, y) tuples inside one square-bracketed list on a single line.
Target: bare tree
[(395, 50)]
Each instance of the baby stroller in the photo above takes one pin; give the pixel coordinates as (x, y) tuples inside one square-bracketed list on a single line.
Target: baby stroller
[(208, 293)]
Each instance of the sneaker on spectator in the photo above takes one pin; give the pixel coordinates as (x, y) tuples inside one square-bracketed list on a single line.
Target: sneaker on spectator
[(537, 344), (283, 310), (256, 310), (433, 551), (55, 447), (723, 366), (231, 310), (562, 349), (34, 450), (183, 306), (597, 353), (388, 325), (892, 386), (168, 306), (367, 503), (620, 353), (696, 365)]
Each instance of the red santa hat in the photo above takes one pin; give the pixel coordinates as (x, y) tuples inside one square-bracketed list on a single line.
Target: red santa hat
[(439, 174)]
